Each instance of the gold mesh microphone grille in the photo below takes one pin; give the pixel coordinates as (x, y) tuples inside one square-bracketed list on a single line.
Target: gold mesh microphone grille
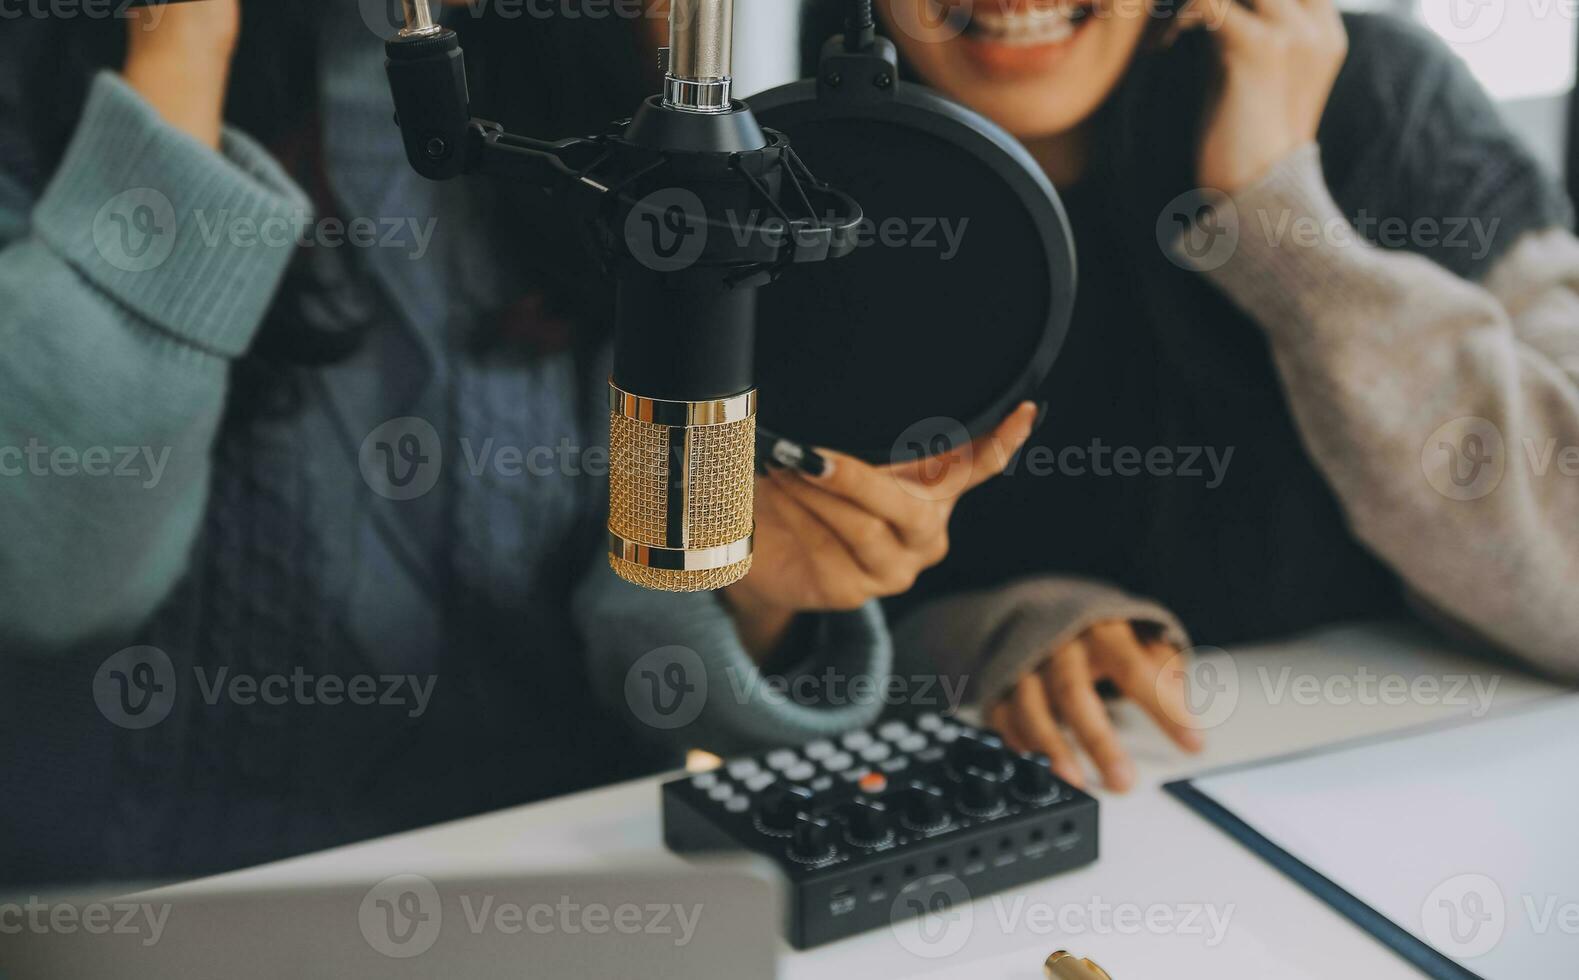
[(682, 481)]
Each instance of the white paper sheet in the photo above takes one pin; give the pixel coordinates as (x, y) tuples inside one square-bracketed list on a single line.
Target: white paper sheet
[(1468, 836)]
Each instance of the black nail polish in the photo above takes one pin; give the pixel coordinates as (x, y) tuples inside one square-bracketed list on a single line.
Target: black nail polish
[(812, 463), (1041, 416)]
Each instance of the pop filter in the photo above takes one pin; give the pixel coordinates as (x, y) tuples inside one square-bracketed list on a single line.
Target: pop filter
[(956, 302)]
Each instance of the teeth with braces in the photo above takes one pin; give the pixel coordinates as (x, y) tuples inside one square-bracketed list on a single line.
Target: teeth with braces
[(1038, 25)]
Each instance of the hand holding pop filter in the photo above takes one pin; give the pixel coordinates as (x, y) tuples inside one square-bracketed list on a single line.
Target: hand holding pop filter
[(956, 302)]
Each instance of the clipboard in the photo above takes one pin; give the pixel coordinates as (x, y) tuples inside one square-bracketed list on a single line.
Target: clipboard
[(1483, 874)]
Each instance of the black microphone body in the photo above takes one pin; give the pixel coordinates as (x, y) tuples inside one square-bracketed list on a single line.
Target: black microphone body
[(695, 207)]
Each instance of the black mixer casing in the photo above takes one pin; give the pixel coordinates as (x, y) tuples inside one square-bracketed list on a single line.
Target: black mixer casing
[(856, 886)]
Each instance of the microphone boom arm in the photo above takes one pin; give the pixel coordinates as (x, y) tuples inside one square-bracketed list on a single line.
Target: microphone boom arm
[(695, 206)]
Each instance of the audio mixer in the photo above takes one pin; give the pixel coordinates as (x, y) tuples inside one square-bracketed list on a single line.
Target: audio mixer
[(856, 823)]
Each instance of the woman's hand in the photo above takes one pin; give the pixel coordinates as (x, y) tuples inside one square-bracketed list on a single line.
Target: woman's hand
[(1280, 59), (854, 532), (178, 58), (1063, 693)]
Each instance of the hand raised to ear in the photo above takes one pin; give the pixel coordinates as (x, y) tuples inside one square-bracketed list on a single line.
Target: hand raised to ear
[(1280, 59), (178, 58)]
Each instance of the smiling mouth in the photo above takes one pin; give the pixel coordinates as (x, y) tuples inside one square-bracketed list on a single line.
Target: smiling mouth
[(1035, 25)]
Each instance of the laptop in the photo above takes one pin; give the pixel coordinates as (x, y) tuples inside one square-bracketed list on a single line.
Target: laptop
[(693, 923)]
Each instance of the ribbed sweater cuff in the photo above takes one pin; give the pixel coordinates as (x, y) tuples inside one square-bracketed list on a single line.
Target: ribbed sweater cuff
[(191, 240), (1292, 249)]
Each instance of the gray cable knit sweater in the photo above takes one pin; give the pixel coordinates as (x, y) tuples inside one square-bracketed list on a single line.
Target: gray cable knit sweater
[(344, 627), (1423, 320)]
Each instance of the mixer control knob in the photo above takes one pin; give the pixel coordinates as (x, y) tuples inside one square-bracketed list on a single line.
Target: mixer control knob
[(981, 791), (868, 821), (812, 839), (1033, 778), (977, 751), (925, 806), (780, 806)]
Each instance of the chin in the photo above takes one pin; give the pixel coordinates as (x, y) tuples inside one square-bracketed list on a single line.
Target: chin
[(1038, 68)]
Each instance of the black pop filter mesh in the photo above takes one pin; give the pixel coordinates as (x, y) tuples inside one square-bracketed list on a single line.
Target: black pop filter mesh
[(857, 353)]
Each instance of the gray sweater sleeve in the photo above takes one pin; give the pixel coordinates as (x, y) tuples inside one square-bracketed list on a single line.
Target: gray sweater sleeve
[(984, 642), (1443, 413), (673, 665), (126, 289)]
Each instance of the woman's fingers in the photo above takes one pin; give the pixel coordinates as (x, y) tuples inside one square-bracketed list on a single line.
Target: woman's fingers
[(1071, 689), (1037, 726), (952, 474), (870, 540), (832, 576), (1118, 655), (1173, 686), (1279, 11), (916, 520)]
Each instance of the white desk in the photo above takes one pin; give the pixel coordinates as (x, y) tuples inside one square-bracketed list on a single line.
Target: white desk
[(1154, 851)]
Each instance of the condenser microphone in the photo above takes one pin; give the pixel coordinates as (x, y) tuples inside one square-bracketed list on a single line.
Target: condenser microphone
[(695, 207), (682, 419)]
